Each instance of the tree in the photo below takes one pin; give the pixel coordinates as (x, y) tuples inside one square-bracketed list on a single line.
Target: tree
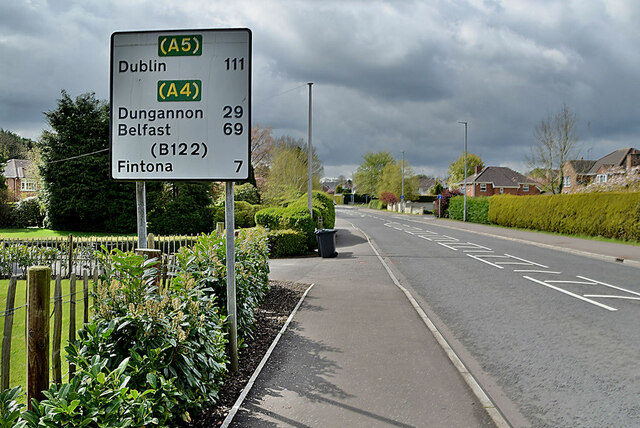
[(288, 175), (79, 193), (456, 168), (391, 181), (181, 207), (556, 143), (367, 177), (262, 143), (13, 145)]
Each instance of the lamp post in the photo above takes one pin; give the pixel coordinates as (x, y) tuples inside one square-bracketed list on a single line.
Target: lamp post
[(402, 196), (309, 160), (464, 212)]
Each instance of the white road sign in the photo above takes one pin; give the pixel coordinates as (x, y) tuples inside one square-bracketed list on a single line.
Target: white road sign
[(181, 105)]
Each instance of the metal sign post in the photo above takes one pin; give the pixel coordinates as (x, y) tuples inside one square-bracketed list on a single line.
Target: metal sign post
[(181, 110), (229, 220)]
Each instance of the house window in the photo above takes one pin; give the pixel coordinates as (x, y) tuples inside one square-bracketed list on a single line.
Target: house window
[(501, 190), (601, 178), (525, 187), (483, 187), (28, 186), (567, 182)]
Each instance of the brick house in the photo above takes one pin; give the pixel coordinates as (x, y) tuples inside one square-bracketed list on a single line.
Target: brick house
[(497, 180), (583, 172), (20, 183)]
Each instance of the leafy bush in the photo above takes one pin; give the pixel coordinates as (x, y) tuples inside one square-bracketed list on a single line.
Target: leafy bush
[(244, 214), (377, 204), (23, 256), (246, 192), (28, 213), (477, 209), (8, 214), (10, 408), (296, 216), (388, 198), (611, 215), (269, 217), (441, 208), (286, 242), (205, 261)]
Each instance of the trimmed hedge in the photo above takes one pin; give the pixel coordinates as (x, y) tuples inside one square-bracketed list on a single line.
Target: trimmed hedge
[(286, 242), (611, 215), (377, 204), (295, 216), (244, 214), (477, 209)]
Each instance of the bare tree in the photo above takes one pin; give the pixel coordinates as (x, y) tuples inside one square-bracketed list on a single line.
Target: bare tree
[(557, 142)]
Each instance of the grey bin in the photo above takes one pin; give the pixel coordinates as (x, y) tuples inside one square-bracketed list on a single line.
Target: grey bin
[(326, 242)]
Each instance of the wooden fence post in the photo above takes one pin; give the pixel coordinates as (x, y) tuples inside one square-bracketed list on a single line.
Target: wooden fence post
[(219, 229), (8, 331), (39, 290), (72, 319), (85, 287), (70, 254), (56, 359)]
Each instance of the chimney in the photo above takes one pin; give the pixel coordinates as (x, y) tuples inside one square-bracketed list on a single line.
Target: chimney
[(478, 169)]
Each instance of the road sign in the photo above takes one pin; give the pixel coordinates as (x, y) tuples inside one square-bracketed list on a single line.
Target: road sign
[(439, 197), (181, 105)]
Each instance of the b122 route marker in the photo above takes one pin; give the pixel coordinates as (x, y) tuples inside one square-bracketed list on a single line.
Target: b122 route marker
[(181, 105)]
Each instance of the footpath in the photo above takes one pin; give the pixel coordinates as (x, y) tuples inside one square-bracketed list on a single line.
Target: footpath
[(356, 354)]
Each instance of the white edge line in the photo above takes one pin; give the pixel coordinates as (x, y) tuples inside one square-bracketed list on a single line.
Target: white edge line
[(612, 297), (488, 405), (577, 296), (256, 373)]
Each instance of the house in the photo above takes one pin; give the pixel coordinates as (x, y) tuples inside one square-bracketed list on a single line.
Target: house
[(20, 181), (425, 184), (497, 180), (583, 172), (576, 174)]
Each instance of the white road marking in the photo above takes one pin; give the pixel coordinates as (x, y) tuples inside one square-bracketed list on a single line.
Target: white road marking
[(537, 271), (611, 296), (609, 285), (593, 302), (528, 262)]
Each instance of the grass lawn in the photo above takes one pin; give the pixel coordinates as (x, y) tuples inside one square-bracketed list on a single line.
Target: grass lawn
[(18, 375), (48, 233)]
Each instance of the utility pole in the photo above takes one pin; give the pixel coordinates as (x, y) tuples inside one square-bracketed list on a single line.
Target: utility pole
[(309, 160), (464, 212)]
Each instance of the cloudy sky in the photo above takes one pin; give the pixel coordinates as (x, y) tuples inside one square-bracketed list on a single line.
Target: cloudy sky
[(390, 75)]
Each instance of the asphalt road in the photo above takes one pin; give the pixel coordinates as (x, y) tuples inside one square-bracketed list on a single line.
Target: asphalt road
[(552, 337)]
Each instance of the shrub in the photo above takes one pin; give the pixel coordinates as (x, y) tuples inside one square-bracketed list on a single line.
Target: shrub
[(477, 209), (205, 261), (28, 213), (388, 198), (377, 204), (286, 242), (296, 216), (269, 217), (243, 213), (611, 215), (441, 207)]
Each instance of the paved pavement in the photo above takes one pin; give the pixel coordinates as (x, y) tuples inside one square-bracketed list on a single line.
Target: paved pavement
[(356, 354)]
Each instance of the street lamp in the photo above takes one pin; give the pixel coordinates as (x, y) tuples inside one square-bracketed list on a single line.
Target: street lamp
[(464, 212), (402, 196), (309, 160)]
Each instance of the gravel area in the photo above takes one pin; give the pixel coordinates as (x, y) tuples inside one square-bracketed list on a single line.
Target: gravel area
[(270, 317)]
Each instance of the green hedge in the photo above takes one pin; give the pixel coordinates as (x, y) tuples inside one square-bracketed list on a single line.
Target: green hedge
[(295, 216), (286, 242), (611, 215), (244, 214), (477, 209), (377, 204)]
